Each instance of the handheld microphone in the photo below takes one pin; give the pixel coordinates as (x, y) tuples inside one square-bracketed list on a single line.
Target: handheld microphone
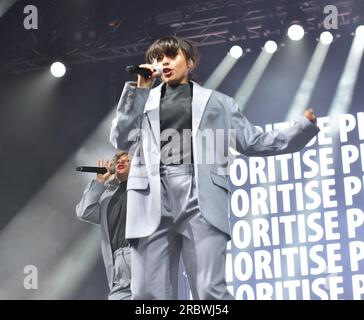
[(146, 73), (101, 170)]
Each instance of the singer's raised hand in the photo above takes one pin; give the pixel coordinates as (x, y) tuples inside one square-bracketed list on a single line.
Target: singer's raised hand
[(310, 115), (147, 82), (102, 178)]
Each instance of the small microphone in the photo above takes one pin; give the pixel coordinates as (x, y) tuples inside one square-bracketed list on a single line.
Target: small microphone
[(146, 73), (101, 170)]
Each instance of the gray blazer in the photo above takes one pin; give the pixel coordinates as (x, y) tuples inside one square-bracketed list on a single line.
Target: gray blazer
[(93, 209), (138, 108)]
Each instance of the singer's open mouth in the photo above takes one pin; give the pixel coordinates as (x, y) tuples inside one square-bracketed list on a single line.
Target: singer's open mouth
[(167, 71), (120, 167)]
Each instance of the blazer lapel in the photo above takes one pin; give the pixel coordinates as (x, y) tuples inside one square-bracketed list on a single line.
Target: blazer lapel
[(152, 112), (199, 101)]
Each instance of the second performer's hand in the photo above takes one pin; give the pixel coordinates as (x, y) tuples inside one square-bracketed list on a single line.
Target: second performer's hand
[(147, 82), (102, 178)]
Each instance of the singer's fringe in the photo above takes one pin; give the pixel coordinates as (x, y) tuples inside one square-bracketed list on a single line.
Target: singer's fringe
[(170, 46)]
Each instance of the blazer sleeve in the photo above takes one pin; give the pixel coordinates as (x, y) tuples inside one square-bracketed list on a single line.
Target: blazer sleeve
[(88, 209), (125, 127), (252, 142)]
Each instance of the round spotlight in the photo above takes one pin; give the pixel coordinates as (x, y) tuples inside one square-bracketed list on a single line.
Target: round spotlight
[(270, 46), (236, 52), (58, 69), (296, 32), (360, 31), (326, 37)]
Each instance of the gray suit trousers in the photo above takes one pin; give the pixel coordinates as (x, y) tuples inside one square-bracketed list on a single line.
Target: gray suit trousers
[(122, 273), (182, 231)]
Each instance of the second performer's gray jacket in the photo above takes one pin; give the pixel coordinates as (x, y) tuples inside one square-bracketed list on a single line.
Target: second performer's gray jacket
[(137, 128), (93, 209)]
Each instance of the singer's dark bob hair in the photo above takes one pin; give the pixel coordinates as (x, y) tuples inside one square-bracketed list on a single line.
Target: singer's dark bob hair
[(169, 46)]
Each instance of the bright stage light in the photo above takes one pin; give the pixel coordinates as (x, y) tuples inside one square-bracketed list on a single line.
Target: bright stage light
[(251, 79), (236, 52), (296, 32), (359, 32), (326, 37), (343, 97), (58, 69), (270, 46)]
